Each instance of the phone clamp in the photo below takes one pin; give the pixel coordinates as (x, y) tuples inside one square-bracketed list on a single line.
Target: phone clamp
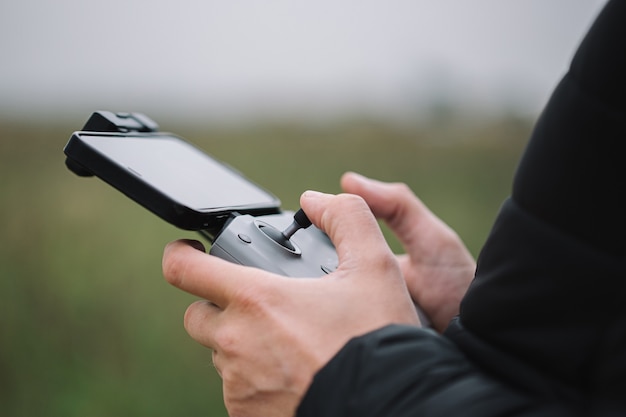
[(120, 122)]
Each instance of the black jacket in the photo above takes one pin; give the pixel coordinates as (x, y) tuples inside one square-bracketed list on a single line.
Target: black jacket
[(542, 329)]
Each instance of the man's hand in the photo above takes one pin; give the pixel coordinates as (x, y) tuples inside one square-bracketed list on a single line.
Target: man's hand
[(437, 266), (271, 334)]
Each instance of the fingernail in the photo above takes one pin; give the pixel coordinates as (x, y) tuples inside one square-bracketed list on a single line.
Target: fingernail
[(309, 194), (359, 178)]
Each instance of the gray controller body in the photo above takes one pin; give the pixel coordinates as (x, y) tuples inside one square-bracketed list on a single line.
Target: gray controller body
[(243, 241)]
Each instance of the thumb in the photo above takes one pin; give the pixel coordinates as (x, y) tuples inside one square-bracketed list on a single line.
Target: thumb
[(398, 206), (351, 226)]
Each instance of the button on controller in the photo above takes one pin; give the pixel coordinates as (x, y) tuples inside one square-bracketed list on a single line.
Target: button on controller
[(244, 238)]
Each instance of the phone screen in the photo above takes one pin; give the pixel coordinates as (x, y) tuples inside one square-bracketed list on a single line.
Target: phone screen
[(181, 171)]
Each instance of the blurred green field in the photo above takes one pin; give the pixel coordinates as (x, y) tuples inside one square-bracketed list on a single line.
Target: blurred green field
[(88, 326)]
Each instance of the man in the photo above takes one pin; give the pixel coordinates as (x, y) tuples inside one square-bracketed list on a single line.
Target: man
[(540, 330)]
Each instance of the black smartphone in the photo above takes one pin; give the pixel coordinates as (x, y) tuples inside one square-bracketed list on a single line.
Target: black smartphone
[(167, 175)]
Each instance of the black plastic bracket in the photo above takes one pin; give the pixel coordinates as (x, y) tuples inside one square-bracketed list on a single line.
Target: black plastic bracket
[(121, 122)]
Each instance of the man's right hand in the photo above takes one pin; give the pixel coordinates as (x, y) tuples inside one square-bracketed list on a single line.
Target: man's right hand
[(437, 267)]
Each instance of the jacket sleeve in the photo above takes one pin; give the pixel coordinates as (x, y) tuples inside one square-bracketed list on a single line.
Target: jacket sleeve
[(402, 371), (551, 278)]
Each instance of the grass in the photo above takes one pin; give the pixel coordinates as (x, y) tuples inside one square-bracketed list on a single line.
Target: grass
[(88, 326)]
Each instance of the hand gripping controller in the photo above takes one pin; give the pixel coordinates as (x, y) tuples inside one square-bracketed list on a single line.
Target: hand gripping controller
[(271, 243)]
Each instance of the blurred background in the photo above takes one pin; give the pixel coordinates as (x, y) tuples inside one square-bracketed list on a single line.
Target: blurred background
[(440, 95)]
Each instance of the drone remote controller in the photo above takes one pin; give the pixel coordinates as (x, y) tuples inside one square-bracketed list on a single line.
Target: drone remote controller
[(194, 191)]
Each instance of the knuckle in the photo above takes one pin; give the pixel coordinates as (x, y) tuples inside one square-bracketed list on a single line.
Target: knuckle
[(173, 268), (350, 199), (402, 203), (401, 194), (226, 340), (400, 189), (190, 317), (344, 203), (387, 262), (253, 299)]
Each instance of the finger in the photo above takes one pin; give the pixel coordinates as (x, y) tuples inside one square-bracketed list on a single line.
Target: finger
[(394, 203), (206, 276), (200, 319), (350, 225)]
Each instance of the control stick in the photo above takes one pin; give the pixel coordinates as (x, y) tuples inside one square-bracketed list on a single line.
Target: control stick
[(300, 221)]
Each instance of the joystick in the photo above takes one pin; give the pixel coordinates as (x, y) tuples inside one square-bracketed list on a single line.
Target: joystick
[(300, 221), (278, 237)]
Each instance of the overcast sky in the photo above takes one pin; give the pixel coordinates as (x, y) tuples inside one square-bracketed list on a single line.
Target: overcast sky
[(236, 58)]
